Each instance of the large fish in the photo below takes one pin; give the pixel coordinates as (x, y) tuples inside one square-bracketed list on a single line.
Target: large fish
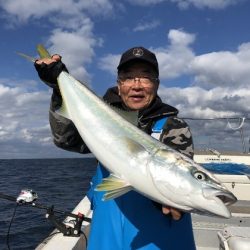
[(136, 160)]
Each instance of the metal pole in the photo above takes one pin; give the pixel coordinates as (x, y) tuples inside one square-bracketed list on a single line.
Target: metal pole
[(242, 140)]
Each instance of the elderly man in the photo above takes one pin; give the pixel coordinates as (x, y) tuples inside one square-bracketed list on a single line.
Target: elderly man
[(131, 221)]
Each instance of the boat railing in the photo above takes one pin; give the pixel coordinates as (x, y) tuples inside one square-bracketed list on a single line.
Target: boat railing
[(220, 135)]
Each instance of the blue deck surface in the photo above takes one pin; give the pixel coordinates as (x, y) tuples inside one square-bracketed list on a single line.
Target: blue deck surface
[(228, 168)]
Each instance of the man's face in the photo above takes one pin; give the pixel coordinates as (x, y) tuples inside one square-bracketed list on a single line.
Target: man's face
[(137, 85)]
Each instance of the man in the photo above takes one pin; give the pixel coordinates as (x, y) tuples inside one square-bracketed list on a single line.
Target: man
[(131, 221)]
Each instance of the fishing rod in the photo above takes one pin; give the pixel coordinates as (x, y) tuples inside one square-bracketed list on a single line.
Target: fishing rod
[(28, 197)]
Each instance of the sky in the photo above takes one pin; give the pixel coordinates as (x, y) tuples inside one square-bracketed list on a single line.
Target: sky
[(202, 46)]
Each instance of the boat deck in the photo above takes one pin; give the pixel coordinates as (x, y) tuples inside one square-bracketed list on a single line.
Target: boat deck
[(206, 228), (241, 208)]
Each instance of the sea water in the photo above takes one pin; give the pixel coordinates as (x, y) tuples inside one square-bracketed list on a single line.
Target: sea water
[(58, 182)]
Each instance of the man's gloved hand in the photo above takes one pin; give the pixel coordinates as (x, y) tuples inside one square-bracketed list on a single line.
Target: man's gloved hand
[(49, 69)]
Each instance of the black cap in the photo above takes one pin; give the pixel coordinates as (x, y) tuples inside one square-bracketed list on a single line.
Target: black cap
[(138, 54)]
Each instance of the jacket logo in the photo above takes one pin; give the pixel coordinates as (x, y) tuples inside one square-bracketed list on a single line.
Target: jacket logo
[(138, 52)]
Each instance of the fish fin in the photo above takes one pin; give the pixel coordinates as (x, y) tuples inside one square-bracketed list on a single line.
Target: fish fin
[(29, 58), (130, 116), (116, 193), (62, 111), (114, 187), (133, 146), (111, 183), (43, 53)]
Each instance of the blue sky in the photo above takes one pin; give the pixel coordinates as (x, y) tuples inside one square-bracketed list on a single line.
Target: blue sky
[(203, 49)]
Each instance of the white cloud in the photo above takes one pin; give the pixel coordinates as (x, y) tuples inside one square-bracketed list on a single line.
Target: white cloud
[(146, 26), (77, 48), (212, 71), (145, 2), (109, 63), (20, 110), (212, 4), (184, 4), (224, 68), (180, 38), (71, 29), (175, 59), (75, 41), (213, 103), (24, 125), (22, 10)]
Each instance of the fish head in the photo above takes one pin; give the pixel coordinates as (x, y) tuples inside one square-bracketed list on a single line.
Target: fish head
[(214, 198), (186, 185)]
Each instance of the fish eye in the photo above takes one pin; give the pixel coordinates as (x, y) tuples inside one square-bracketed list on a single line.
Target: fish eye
[(200, 176)]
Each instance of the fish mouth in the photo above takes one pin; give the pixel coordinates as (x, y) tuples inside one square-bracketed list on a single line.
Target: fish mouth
[(219, 200), (226, 197)]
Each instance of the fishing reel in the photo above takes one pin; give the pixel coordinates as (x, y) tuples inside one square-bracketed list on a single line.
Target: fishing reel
[(26, 196)]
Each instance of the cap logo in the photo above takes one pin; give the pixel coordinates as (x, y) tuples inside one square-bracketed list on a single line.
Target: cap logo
[(138, 52)]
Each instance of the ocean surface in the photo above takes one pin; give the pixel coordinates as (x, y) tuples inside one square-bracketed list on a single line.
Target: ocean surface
[(58, 182)]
